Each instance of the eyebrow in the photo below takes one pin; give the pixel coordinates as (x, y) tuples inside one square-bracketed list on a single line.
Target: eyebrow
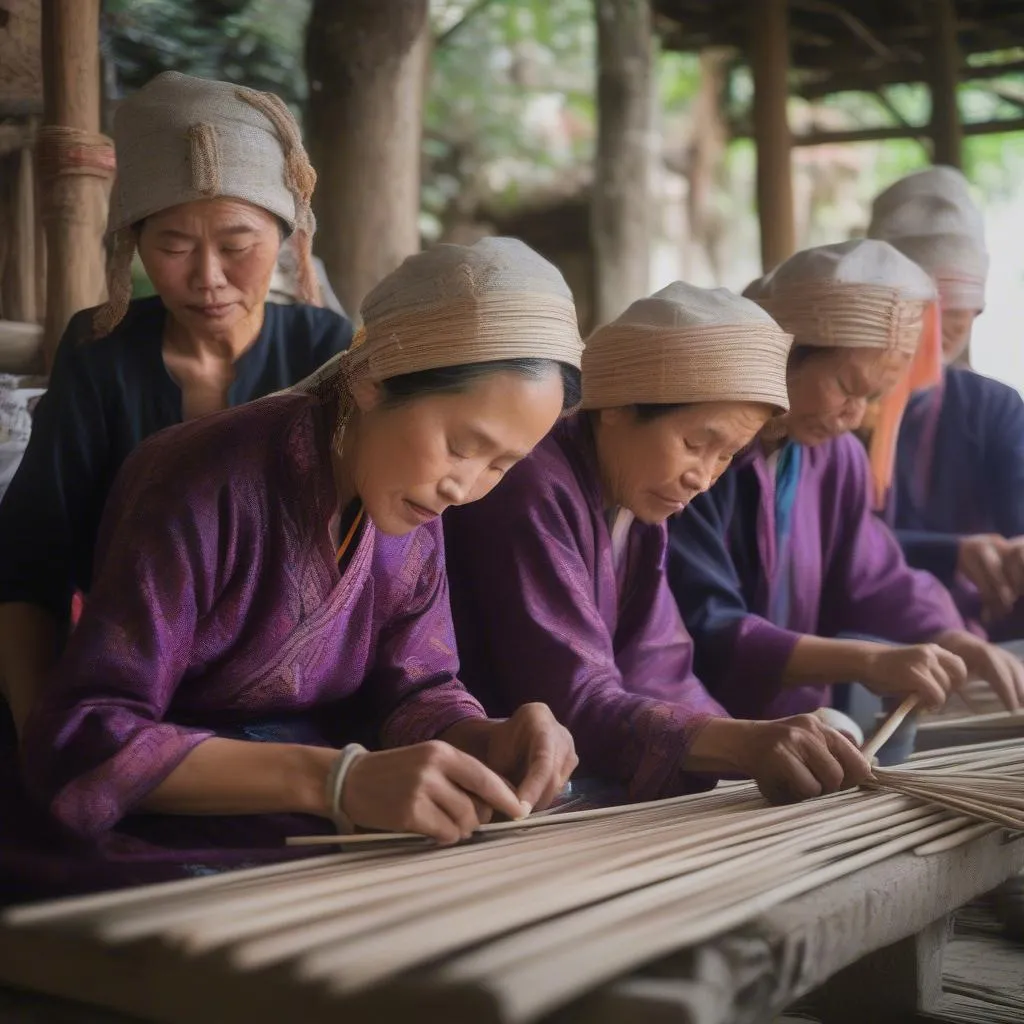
[(484, 440), (231, 230)]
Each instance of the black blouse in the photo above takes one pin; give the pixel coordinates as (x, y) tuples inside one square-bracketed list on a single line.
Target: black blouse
[(105, 397)]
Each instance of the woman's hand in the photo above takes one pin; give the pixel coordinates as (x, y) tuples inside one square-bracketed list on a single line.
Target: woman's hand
[(431, 788), (790, 759), (990, 562), (534, 751), (928, 670), (1000, 669)]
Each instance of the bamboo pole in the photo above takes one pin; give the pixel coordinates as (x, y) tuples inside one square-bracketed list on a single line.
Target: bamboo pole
[(75, 167), (769, 59)]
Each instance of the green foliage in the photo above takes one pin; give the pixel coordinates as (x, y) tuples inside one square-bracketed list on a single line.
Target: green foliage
[(258, 43)]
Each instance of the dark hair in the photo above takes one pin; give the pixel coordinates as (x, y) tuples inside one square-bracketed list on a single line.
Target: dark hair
[(647, 412), (449, 380)]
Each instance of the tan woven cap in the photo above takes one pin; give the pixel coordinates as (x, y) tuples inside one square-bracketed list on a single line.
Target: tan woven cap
[(956, 265), (180, 139), (455, 305), (857, 294), (931, 217), (686, 345)]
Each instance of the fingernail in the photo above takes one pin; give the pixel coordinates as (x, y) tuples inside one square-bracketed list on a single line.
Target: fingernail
[(525, 808)]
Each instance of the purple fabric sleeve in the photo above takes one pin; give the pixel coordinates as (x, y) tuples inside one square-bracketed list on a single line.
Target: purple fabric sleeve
[(869, 588)]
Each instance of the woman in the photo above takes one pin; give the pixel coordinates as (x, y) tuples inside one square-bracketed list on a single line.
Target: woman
[(211, 179), (961, 515), (784, 556), (270, 587), (558, 580)]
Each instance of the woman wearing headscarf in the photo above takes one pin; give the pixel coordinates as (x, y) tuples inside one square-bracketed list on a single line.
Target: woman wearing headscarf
[(271, 588), (957, 501), (784, 556), (211, 178), (558, 580)]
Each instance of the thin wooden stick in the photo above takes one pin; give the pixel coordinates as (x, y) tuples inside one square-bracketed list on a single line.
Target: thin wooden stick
[(894, 721)]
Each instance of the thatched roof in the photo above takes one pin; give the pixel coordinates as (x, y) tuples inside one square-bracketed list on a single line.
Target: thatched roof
[(21, 65), (855, 44)]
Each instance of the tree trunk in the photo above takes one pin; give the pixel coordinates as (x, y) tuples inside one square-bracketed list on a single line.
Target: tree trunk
[(621, 214), (366, 61), (75, 164)]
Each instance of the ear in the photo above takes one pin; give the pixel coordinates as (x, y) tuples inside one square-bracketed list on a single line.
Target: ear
[(367, 395)]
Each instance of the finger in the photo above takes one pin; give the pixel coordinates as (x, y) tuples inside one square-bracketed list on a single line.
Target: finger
[(854, 764), (1013, 568), (954, 666), (429, 819), (991, 580), (1000, 676), (924, 683), (456, 803), (542, 777), (478, 780), (1016, 669), (817, 756), (790, 780)]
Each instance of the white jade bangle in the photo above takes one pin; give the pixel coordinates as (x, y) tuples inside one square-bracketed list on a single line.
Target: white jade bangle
[(336, 785)]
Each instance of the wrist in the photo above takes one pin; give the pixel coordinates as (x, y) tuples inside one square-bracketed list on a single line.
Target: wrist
[(471, 735), (721, 746), (307, 779)]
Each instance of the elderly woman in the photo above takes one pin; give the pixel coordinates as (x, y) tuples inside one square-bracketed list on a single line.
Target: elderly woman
[(558, 581), (271, 587), (958, 498), (784, 555), (211, 179)]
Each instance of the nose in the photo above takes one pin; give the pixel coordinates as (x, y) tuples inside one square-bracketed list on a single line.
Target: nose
[(699, 476), (207, 270), (853, 413)]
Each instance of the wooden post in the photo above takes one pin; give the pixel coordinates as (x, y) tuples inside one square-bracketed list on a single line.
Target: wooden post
[(366, 61), (621, 205), (769, 58), (74, 202), (25, 238), (946, 126)]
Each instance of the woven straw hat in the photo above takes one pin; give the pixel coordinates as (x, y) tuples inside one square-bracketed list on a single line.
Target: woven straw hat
[(685, 344), (455, 305), (181, 139), (857, 294), (931, 217)]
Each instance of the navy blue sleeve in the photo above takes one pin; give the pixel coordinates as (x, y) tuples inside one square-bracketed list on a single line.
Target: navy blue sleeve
[(703, 576), (332, 334), (1003, 412), (936, 553), (49, 513)]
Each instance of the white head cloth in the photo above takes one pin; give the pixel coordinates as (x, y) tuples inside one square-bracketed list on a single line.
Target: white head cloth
[(931, 217), (857, 294), (686, 344)]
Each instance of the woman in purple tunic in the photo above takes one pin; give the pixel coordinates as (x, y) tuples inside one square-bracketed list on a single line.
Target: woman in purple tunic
[(271, 588), (958, 497), (784, 557), (558, 580)]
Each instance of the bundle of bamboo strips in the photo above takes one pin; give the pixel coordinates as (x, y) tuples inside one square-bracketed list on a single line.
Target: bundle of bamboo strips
[(536, 912)]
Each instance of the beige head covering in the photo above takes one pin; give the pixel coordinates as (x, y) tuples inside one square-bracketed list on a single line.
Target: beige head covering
[(454, 305), (856, 294), (687, 344), (179, 139), (931, 217)]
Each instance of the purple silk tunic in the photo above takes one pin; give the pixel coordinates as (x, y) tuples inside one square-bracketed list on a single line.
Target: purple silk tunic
[(847, 572), (218, 608), (960, 471), (539, 616)]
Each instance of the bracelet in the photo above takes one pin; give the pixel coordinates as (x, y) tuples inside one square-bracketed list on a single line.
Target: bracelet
[(335, 785)]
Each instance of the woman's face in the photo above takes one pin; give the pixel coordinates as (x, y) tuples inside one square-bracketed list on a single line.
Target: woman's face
[(656, 467), (409, 462), (211, 261), (830, 389), (957, 325)]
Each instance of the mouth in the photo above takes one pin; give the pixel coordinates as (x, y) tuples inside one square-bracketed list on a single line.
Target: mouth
[(215, 311), (673, 504), (420, 512)]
